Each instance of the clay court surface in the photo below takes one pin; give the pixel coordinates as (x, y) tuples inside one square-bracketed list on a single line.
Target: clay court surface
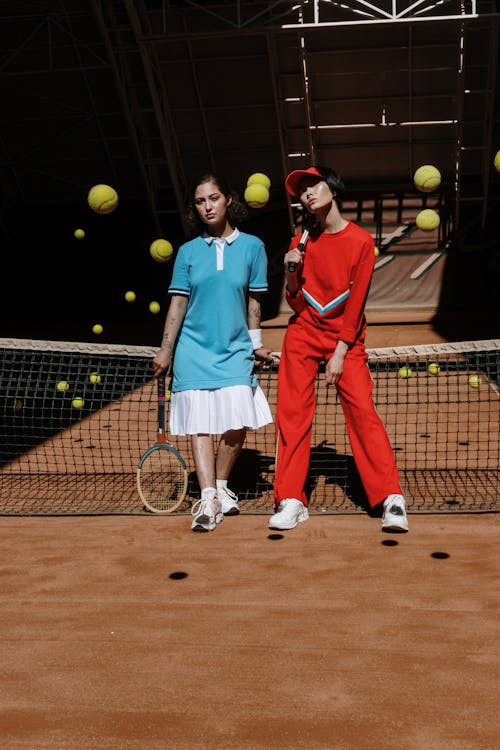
[(129, 632), (133, 633)]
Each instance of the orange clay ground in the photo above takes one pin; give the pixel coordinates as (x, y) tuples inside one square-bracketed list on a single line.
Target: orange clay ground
[(133, 633)]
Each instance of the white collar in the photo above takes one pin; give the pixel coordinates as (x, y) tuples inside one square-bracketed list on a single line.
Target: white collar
[(230, 238)]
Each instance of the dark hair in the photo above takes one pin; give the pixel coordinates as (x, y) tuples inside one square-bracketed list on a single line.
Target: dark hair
[(335, 183), (236, 211)]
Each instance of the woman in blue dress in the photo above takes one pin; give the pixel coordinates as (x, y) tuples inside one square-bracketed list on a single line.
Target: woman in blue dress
[(211, 340)]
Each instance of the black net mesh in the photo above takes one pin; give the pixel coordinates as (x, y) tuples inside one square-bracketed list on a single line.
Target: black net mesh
[(76, 418)]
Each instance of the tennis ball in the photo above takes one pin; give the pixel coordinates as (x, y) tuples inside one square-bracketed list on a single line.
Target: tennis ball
[(475, 381), (94, 377), (78, 403), (103, 199), (377, 251), (427, 178), (256, 195), (161, 250), (97, 329), (257, 178), (154, 307), (496, 161), (17, 404), (433, 368), (79, 234), (428, 219), (62, 386), (167, 395), (130, 296), (405, 372)]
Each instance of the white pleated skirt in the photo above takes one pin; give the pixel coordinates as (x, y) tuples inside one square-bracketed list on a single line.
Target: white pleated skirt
[(218, 410)]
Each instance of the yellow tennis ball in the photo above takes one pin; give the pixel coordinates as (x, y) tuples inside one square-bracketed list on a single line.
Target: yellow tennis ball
[(78, 403), (475, 381), (167, 395), (17, 404), (377, 252), (79, 234), (62, 386), (161, 250), (130, 296), (405, 372), (433, 368), (94, 377), (427, 178), (103, 199), (256, 195), (428, 220), (257, 178), (97, 329), (154, 307), (496, 161)]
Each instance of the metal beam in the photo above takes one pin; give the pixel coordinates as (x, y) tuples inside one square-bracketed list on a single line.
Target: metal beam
[(278, 99), (123, 95), (161, 108), (488, 118)]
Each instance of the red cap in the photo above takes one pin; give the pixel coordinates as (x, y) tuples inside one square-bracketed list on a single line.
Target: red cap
[(292, 182)]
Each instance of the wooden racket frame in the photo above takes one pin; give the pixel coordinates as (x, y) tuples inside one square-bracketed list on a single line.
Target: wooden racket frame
[(162, 444)]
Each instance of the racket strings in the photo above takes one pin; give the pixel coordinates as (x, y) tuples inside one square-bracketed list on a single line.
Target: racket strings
[(162, 479)]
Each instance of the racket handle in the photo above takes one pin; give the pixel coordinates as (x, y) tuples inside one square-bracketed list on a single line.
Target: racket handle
[(161, 409), (303, 240), (161, 386)]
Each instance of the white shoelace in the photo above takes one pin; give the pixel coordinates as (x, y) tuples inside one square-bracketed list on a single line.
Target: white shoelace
[(230, 494), (199, 508)]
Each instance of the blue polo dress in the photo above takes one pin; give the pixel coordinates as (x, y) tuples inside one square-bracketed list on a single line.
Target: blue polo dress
[(214, 387)]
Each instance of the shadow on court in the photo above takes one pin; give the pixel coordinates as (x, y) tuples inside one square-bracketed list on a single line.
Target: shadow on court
[(132, 632)]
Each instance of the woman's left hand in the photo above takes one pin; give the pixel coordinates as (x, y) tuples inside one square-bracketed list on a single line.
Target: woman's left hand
[(335, 365)]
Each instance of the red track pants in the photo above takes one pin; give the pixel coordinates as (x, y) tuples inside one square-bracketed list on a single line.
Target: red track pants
[(303, 349)]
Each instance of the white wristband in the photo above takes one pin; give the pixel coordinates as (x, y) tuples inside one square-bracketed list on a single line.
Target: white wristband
[(256, 336)]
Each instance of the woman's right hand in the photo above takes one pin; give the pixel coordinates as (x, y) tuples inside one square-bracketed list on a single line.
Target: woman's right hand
[(162, 361), (293, 256)]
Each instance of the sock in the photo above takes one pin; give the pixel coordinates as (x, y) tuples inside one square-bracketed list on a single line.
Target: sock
[(208, 492), (221, 484)]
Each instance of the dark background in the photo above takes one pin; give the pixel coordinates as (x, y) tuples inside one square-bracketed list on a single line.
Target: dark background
[(55, 286)]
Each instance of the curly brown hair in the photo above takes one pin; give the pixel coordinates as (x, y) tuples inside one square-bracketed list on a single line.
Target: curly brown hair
[(236, 211)]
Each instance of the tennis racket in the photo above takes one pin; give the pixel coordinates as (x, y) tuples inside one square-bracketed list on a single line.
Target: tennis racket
[(302, 243), (162, 475)]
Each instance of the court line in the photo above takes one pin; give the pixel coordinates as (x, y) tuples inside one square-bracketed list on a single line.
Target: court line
[(418, 272), (383, 262)]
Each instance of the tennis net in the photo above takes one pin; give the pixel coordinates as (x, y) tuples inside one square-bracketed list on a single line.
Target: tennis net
[(75, 419)]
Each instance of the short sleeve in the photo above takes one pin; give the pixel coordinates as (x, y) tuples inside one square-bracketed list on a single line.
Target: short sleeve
[(180, 283), (258, 271)]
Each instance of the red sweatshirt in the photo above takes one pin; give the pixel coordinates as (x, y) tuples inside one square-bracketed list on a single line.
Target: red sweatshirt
[(334, 281)]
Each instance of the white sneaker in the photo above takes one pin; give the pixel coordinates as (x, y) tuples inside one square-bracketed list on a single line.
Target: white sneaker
[(229, 501), (207, 513), (288, 514), (394, 515)]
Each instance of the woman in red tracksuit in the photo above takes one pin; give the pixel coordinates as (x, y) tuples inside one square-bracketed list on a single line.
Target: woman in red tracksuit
[(327, 291)]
